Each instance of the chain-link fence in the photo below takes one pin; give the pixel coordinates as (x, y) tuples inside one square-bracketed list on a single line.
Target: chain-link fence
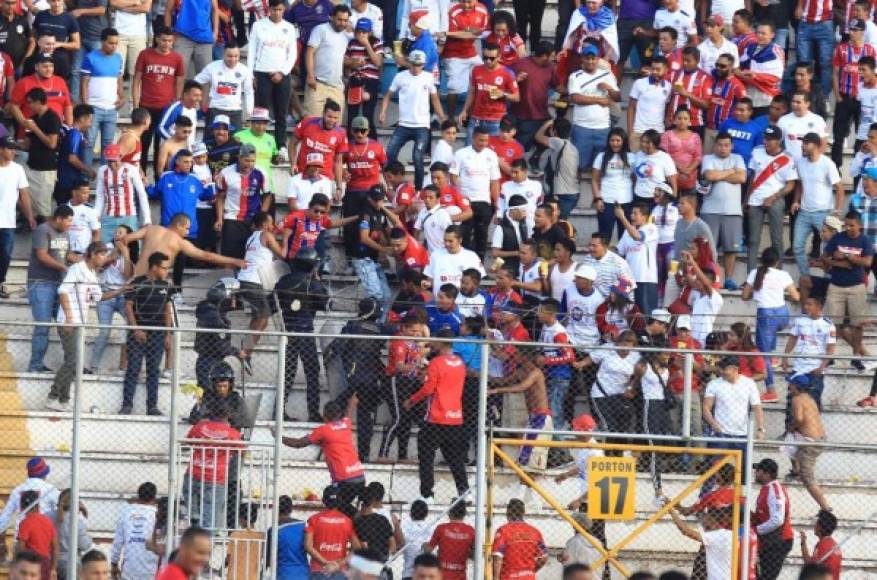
[(111, 433)]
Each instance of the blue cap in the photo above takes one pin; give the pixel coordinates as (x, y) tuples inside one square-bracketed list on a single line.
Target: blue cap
[(802, 380), (870, 173), (590, 49), (364, 24)]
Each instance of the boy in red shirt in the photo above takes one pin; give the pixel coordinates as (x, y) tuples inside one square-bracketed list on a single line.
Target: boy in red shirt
[(506, 147), (329, 536), (36, 533), (827, 552), (518, 548), (455, 541)]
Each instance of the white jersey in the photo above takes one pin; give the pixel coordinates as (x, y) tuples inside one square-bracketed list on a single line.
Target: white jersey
[(529, 189), (709, 53), (433, 223), (641, 255), (665, 217), (231, 89), (681, 20), (48, 501), (794, 128), (133, 529), (868, 101), (258, 257), (814, 337), (581, 315), (85, 222), (447, 268), (777, 169)]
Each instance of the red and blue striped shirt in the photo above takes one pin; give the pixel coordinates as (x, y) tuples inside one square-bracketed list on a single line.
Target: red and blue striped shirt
[(846, 62), (243, 193), (726, 93), (816, 11)]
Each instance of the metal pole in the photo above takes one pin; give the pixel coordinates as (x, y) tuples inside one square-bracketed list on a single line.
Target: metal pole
[(172, 474), (480, 471), (747, 479), (278, 447), (75, 453), (687, 370)]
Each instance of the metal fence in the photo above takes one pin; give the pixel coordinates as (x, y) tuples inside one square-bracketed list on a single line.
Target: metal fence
[(103, 455)]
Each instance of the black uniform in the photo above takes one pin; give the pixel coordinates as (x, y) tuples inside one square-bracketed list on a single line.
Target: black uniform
[(211, 347)]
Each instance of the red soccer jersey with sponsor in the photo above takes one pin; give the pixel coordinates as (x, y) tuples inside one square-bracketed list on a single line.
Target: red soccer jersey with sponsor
[(402, 351), (443, 387), (520, 545), (450, 196), (331, 531), (415, 256), (159, 72), (305, 230), (315, 139), (172, 572), (460, 19), (210, 460), (364, 162), (56, 90), (726, 93), (507, 151), (336, 440), (846, 64), (508, 47), (816, 11), (483, 79), (699, 84), (404, 194), (454, 541), (825, 554)]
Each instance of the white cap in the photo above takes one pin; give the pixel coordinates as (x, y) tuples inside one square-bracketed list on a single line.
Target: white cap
[(417, 57), (199, 148), (260, 114), (684, 321), (661, 315), (587, 272), (424, 22)]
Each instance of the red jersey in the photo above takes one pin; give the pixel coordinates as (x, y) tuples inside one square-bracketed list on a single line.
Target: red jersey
[(403, 351), (460, 19), (726, 93), (159, 73), (825, 553), (483, 79), (816, 11), (315, 139), (454, 541), (677, 362), (508, 47), (674, 63), (7, 69), (520, 545), (443, 387), (172, 571), (697, 82), (336, 441), (507, 151), (846, 63), (36, 532), (415, 256), (404, 194), (331, 531), (718, 498), (364, 162), (450, 196), (751, 363), (210, 460), (305, 231), (773, 500), (56, 91)]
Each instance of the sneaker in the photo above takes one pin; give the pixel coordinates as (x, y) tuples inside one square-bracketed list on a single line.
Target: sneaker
[(178, 299), (125, 410), (87, 371), (40, 369), (857, 364), (427, 500), (792, 476), (730, 284), (55, 405), (154, 412), (769, 397), (4, 293), (165, 374), (866, 402), (870, 365), (283, 155)]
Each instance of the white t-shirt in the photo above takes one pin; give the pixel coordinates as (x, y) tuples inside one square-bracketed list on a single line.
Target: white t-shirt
[(416, 533), (616, 182), (651, 385), (414, 94), (709, 52), (614, 372), (868, 101), (581, 315), (433, 224), (581, 458), (814, 336), (651, 104), (476, 169), (83, 289), (85, 221), (330, 47), (703, 313), (128, 24), (817, 182), (773, 287), (650, 171), (302, 189), (761, 161), (718, 547), (732, 403), (373, 13), (682, 20), (641, 255), (529, 189), (231, 89), (12, 180), (665, 218), (446, 268), (584, 83), (442, 151), (133, 528), (794, 128)]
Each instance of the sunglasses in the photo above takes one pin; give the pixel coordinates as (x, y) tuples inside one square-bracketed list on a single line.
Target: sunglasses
[(489, 58), (360, 130)]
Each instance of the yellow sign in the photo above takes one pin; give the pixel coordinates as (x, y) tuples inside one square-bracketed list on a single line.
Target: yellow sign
[(611, 488)]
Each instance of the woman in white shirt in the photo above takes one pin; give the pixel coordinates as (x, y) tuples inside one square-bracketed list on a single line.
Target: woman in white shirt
[(651, 374), (652, 166), (612, 181), (769, 286)]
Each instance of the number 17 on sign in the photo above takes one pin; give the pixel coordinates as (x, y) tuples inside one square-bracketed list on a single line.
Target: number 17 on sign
[(611, 488)]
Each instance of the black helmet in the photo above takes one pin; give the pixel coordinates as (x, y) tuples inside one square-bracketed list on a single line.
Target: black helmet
[(224, 289), (306, 259), (221, 371)]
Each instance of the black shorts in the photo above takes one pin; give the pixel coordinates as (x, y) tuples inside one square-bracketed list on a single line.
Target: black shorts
[(235, 234), (256, 297)]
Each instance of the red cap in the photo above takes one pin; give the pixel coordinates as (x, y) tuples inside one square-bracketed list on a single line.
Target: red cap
[(416, 15), (584, 423), (112, 152)]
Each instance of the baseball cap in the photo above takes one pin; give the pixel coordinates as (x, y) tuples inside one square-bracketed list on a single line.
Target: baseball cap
[(773, 132), (684, 321), (417, 57), (8, 143), (661, 315), (717, 20), (260, 114), (664, 187), (590, 50), (247, 149), (200, 148), (364, 24), (870, 173), (834, 222), (221, 120), (584, 423), (314, 158), (857, 24), (729, 361), (587, 272), (377, 192), (517, 200), (45, 57), (112, 152), (768, 466), (801, 380), (359, 123)]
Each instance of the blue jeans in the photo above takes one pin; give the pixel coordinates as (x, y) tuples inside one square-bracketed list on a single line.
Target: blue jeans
[(206, 501), (768, 322), (43, 299), (85, 46), (566, 203), (589, 142), (645, 295), (109, 224), (104, 121), (557, 389), (152, 350), (105, 311), (606, 219), (711, 482), (491, 126), (806, 222), (816, 42), (782, 38), (401, 136), (374, 281), (7, 239), (527, 132)]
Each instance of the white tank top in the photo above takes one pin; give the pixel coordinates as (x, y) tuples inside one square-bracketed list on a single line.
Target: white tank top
[(258, 256), (560, 280)]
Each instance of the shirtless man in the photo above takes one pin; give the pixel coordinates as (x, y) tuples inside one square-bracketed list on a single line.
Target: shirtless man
[(806, 425), (171, 241), (531, 382), (179, 140)]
